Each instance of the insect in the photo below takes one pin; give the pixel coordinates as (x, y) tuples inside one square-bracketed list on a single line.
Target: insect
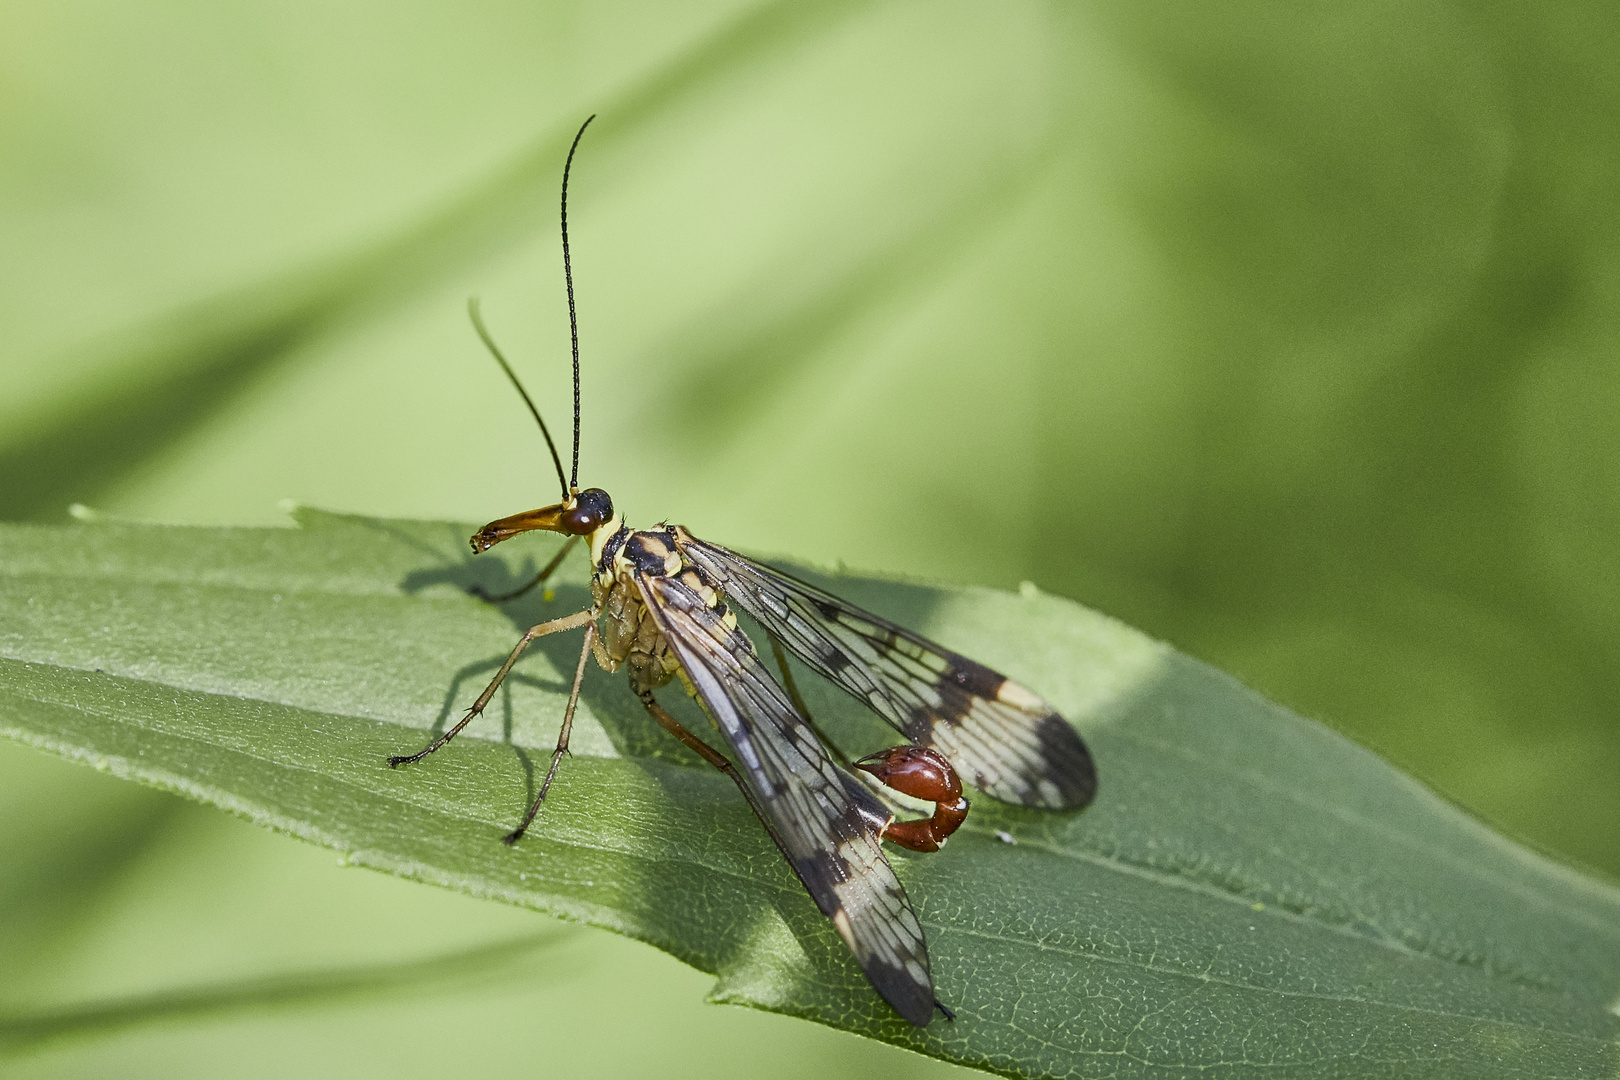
[(662, 609)]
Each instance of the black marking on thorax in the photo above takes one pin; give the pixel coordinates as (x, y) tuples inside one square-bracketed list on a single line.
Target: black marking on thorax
[(611, 548), (649, 553)]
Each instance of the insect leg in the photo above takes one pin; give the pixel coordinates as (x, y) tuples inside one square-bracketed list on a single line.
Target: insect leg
[(719, 761), (792, 688), (568, 622), (501, 598), (562, 738)]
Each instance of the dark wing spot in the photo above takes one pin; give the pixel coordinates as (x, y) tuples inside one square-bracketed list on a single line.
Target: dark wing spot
[(955, 704), (920, 725), (835, 660), (1068, 762), (900, 988), (827, 864), (963, 684), (975, 678), (828, 611)]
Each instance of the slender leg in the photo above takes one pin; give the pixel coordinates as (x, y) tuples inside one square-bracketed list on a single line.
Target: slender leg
[(562, 738), (677, 729), (570, 622), (501, 598), (719, 761), (798, 702)]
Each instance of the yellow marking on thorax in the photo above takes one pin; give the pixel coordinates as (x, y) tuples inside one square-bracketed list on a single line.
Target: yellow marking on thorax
[(601, 536)]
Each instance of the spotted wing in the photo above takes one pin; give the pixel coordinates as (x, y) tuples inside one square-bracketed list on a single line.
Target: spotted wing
[(1000, 736), (827, 823)]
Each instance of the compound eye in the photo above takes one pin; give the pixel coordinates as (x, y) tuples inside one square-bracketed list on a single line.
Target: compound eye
[(582, 520), (591, 509)]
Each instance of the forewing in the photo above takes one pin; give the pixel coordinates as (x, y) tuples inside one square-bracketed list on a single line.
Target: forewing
[(826, 822), (1000, 736)]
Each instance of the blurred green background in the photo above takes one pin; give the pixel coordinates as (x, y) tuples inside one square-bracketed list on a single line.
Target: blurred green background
[(1284, 332)]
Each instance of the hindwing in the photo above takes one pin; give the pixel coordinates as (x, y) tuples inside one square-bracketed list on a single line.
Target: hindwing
[(1000, 736)]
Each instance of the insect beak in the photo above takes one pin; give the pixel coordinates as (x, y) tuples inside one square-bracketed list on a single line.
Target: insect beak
[(548, 518)]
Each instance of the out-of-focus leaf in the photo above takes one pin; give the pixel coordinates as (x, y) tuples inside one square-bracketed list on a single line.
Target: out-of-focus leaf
[(1295, 325), (1248, 888), (150, 388), (484, 962)]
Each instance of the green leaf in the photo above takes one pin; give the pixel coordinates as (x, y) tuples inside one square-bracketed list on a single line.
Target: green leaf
[(485, 962), (1249, 888)]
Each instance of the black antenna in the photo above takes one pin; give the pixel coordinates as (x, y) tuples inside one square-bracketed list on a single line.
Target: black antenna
[(573, 320), (489, 343)]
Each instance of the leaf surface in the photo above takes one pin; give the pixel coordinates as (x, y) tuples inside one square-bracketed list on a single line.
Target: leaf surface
[(1249, 891)]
